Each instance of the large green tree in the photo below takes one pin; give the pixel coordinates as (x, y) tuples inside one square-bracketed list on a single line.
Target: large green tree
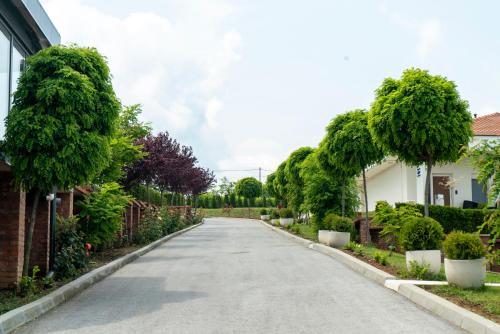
[(59, 129), (295, 195), (280, 184), (421, 119), (248, 187), (349, 146)]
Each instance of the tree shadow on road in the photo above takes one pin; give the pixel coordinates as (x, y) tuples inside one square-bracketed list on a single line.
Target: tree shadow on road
[(112, 300)]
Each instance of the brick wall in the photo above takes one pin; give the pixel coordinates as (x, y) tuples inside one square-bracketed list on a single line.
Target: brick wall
[(12, 216), (65, 208)]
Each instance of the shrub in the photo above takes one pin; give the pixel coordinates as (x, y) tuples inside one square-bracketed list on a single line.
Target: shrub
[(27, 284), (275, 214), (150, 227), (295, 228), (453, 219), (463, 246), (286, 213), (172, 221), (337, 223), (102, 214), (421, 233), (263, 212), (380, 257), (70, 248), (417, 271), (354, 247)]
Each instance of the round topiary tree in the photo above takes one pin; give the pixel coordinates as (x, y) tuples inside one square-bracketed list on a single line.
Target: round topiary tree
[(349, 146), (249, 188), (421, 119), (58, 131), (295, 189), (421, 233)]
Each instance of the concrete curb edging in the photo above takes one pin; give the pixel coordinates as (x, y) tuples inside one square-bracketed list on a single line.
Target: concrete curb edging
[(26, 313), (458, 316)]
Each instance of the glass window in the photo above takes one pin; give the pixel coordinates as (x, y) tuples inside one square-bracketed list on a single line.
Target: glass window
[(4, 80), (17, 67)]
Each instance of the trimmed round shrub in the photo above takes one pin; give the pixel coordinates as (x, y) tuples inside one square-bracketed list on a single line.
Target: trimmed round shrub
[(336, 223), (263, 212), (463, 246), (275, 214), (421, 233), (286, 213)]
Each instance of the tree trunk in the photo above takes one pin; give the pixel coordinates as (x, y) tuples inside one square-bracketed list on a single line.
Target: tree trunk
[(366, 208), (427, 188), (343, 198), (31, 229)]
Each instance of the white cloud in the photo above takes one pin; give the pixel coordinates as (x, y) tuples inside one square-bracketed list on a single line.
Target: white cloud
[(214, 107), (430, 35), (175, 66)]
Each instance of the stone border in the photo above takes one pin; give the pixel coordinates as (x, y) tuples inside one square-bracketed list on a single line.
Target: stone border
[(26, 313), (458, 316)]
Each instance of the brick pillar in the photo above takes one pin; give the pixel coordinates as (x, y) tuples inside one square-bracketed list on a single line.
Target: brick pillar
[(40, 247), (12, 216), (65, 208), (363, 231)]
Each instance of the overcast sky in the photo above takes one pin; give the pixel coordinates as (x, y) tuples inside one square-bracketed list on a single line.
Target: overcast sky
[(247, 82)]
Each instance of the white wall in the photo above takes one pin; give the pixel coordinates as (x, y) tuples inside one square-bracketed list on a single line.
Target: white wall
[(387, 185), (461, 174)]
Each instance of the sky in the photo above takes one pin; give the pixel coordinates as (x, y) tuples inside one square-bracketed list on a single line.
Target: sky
[(247, 82)]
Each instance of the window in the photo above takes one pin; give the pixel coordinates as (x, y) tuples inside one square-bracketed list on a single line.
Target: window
[(4, 80), (17, 67)]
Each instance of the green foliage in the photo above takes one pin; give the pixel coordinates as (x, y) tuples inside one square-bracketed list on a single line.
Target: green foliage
[(295, 183), (336, 223), (393, 219), (63, 114), (486, 159), (380, 258), (263, 212), (248, 187), (130, 125), (286, 213), (275, 214), (172, 221), (463, 246), (492, 223), (150, 227), (280, 183), (421, 233), (102, 214), (356, 248), (70, 248), (451, 218), (348, 143), (420, 118), (295, 228), (27, 284), (416, 271), (324, 192)]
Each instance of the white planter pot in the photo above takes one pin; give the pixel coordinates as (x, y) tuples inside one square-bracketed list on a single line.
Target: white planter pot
[(275, 221), (323, 236), (425, 257), (465, 273), (286, 221), (339, 239), (264, 217)]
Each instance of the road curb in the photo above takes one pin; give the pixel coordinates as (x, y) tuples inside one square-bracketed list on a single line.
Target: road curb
[(458, 316), (26, 313)]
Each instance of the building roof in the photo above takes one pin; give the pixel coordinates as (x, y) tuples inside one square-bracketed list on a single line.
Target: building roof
[(487, 125)]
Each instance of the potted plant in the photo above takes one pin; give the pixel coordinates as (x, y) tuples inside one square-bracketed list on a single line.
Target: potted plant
[(264, 215), (324, 231), (341, 231), (275, 217), (421, 238), (464, 262), (286, 217)]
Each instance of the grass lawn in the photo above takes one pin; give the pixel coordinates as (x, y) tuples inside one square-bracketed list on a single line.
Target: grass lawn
[(485, 301), (253, 213)]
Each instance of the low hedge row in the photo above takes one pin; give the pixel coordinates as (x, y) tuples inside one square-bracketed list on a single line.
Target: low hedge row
[(467, 220)]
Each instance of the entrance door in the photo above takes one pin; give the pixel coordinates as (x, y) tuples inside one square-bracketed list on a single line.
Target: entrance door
[(478, 194), (440, 190)]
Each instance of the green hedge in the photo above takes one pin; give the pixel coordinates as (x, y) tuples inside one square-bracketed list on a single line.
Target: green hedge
[(467, 220)]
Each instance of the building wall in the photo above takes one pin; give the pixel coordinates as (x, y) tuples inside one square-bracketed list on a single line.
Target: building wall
[(387, 185)]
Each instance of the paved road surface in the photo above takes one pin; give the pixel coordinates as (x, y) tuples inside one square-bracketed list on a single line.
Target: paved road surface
[(236, 276)]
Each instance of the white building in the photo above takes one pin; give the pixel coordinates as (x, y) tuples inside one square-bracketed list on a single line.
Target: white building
[(451, 184)]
